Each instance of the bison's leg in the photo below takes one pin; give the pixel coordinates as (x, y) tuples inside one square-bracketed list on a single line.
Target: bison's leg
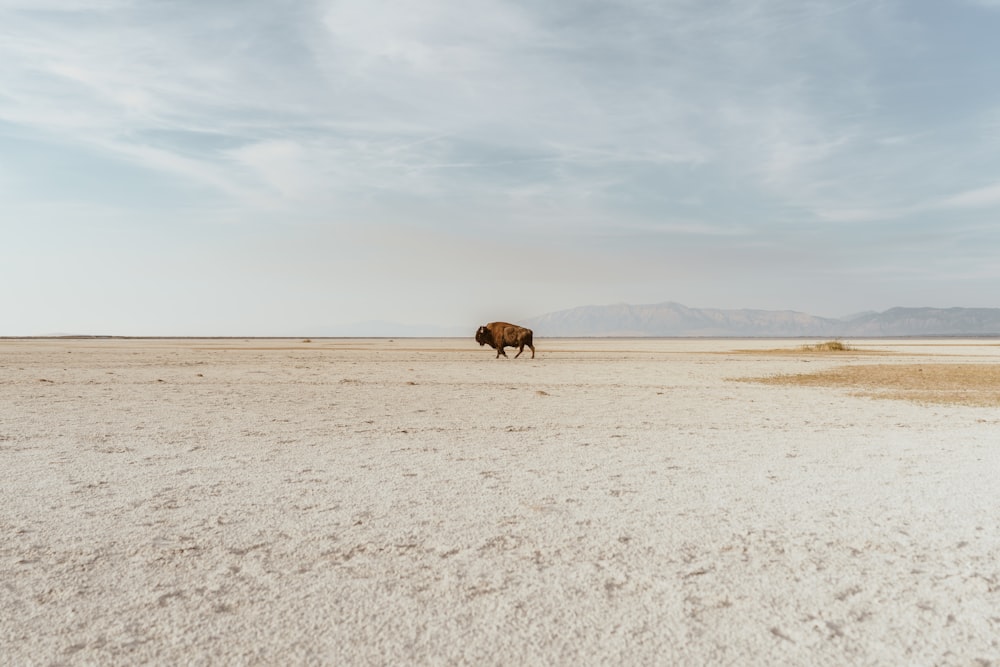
[(519, 351), (500, 351), (530, 343)]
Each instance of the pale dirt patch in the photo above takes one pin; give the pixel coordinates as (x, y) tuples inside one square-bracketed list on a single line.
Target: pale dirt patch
[(416, 501), (958, 384)]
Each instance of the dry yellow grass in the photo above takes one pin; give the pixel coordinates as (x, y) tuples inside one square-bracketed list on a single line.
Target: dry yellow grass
[(956, 384), (828, 346), (832, 347)]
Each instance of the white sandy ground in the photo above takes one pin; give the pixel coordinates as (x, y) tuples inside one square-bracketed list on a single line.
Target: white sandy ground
[(418, 502)]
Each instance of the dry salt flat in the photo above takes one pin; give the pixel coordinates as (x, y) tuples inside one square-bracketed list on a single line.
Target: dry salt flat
[(377, 502)]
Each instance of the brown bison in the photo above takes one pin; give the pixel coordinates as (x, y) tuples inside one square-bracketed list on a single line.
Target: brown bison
[(503, 334)]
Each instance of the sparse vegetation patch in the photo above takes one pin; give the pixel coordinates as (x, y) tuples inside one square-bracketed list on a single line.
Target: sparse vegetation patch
[(832, 347), (828, 346)]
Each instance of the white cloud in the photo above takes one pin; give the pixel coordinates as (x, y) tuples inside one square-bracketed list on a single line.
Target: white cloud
[(984, 197), (281, 165), (62, 5), (545, 87)]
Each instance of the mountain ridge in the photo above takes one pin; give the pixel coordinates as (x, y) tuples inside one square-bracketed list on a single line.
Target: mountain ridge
[(674, 319)]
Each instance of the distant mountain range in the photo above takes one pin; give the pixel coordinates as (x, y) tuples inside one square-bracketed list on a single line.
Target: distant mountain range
[(674, 319)]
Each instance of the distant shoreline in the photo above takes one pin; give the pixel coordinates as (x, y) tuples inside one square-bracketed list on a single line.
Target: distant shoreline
[(979, 336)]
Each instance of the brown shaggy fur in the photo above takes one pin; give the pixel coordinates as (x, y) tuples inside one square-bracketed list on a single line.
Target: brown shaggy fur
[(499, 335)]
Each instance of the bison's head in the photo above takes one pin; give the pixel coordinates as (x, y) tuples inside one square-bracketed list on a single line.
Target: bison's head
[(482, 336)]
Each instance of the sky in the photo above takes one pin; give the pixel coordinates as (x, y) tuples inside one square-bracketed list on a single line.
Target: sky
[(314, 167)]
